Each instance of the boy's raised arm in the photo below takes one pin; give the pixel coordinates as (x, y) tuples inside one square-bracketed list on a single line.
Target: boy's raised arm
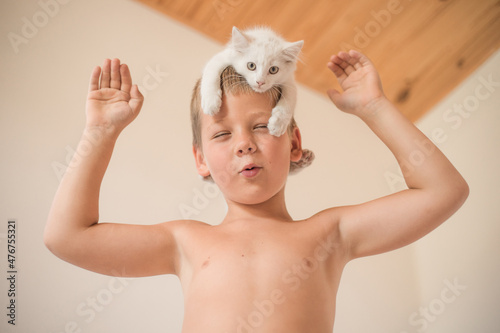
[(435, 188), (72, 231)]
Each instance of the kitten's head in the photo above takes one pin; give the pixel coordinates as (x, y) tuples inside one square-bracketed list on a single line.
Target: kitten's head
[(264, 58)]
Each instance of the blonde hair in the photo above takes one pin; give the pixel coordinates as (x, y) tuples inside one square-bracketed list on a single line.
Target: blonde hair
[(233, 83)]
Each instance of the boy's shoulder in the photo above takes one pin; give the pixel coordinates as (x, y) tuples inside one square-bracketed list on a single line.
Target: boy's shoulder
[(180, 226), (329, 217)]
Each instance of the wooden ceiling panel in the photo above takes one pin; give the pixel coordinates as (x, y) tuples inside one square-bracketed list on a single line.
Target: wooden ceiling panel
[(422, 49)]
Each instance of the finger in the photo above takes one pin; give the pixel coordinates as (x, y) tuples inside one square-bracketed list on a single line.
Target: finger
[(94, 79), (338, 59), (354, 61), (334, 96), (136, 99), (126, 78), (337, 70), (115, 81), (359, 58), (344, 62), (339, 66), (106, 73)]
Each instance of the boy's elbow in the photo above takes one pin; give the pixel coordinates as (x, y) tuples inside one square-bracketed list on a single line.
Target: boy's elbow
[(460, 193), (464, 191), (49, 240), (53, 239)]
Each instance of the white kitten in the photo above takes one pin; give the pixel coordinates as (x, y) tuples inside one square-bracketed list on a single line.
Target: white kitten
[(265, 60)]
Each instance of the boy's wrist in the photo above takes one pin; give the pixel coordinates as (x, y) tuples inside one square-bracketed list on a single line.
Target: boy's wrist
[(100, 134), (374, 108)]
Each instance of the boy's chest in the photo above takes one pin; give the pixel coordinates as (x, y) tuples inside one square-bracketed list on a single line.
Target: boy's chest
[(258, 262)]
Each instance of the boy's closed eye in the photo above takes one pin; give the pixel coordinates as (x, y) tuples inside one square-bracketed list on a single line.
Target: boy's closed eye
[(221, 134), (261, 126)]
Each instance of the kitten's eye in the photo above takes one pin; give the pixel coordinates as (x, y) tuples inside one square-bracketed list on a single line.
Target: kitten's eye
[(274, 70), (251, 66)]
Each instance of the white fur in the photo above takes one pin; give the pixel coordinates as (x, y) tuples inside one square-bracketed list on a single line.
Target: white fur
[(265, 49)]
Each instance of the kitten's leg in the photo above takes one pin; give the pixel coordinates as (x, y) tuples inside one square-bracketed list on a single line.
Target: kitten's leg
[(282, 113), (211, 94)]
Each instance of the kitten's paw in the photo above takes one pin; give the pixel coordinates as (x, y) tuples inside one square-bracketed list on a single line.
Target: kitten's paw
[(277, 125), (211, 103)]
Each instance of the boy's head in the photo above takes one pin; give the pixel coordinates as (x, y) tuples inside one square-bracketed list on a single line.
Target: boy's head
[(231, 83), (235, 145)]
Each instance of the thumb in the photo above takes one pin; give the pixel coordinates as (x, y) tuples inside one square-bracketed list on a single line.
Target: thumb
[(136, 99), (335, 96)]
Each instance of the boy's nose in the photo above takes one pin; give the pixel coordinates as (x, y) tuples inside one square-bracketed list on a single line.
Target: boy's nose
[(246, 146)]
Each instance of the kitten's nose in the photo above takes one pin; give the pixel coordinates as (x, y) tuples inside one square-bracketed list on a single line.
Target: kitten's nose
[(260, 83)]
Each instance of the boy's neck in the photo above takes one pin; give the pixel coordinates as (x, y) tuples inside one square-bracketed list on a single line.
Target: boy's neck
[(272, 209)]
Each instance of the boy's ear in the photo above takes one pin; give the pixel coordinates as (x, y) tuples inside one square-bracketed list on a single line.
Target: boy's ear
[(295, 145), (201, 165)]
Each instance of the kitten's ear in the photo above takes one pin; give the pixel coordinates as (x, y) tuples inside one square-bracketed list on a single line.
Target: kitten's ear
[(291, 52), (239, 40)]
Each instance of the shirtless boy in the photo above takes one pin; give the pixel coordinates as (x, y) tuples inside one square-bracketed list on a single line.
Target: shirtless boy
[(258, 270)]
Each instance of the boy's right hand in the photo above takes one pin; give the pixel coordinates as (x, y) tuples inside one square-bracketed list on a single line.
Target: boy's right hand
[(113, 102)]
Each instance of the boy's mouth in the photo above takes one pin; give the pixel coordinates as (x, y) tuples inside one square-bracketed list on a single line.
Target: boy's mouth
[(250, 170)]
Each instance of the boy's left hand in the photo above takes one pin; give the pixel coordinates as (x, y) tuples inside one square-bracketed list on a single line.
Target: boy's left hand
[(359, 80)]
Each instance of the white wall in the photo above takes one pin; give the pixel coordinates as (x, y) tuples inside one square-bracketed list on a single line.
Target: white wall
[(152, 179), (466, 248)]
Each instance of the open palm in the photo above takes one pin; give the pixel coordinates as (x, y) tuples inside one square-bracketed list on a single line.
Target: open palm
[(112, 102), (359, 80)]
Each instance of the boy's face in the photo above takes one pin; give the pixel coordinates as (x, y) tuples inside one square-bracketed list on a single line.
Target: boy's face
[(247, 163)]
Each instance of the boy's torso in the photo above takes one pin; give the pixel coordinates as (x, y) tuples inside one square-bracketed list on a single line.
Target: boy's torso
[(260, 276)]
